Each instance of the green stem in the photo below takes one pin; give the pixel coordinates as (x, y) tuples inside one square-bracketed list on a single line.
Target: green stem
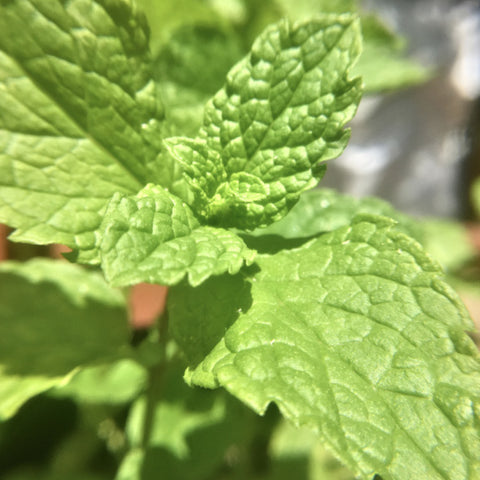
[(156, 384)]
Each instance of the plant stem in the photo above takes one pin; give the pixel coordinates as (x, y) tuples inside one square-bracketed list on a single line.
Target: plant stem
[(156, 378)]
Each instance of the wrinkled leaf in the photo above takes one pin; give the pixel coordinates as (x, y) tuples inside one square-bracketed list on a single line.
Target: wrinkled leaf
[(154, 237), (323, 210), (281, 114), (383, 64), (80, 119), (354, 335)]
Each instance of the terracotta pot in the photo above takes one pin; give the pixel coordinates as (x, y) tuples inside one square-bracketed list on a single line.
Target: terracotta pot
[(146, 303)]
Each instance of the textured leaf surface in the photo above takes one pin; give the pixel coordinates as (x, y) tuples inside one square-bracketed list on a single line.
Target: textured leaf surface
[(355, 335), (279, 116), (383, 64), (80, 116), (323, 210), (54, 317), (154, 237)]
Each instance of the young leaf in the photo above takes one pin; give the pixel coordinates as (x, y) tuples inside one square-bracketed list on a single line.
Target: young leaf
[(54, 317), (279, 116), (383, 64), (355, 335), (154, 237), (80, 117)]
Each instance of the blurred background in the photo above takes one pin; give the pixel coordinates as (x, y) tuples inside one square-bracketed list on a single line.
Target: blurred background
[(418, 147)]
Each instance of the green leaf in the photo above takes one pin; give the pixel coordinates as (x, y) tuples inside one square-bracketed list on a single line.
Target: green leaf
[(292, 450), (154, 237), (279, 116), (301, 9), (190, 49), (112, 383), (323, 210), (54, 317), (189, 430), (186, 82), (354, 335), (383, 64), (80, 119), (16, 390), (448, 242), (166, 16)]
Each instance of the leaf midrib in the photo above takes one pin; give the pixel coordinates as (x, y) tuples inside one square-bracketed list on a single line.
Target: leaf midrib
[(287, 105), (84, 132)]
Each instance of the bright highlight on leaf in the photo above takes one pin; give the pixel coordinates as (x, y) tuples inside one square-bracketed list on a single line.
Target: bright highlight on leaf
[(353, 334), (280, 115), (154, 237)]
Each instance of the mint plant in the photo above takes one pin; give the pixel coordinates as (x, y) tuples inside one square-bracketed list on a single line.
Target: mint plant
[(316, 306)]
